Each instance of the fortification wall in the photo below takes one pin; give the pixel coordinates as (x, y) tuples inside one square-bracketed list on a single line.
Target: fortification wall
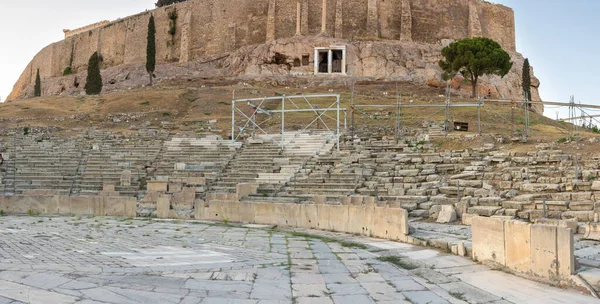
[(209, 29)]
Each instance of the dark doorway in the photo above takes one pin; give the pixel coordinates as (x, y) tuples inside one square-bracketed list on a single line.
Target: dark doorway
[(323, 61), (337, 56)]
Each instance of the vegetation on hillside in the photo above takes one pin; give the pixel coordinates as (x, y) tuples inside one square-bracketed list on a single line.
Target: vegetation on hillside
[(93, 84), (526, 80), (151, 48), (473, 58), (162, 3), (37, 88)]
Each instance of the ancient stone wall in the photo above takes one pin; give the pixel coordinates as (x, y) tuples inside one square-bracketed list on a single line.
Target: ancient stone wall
[(211, 29), (69, 33)]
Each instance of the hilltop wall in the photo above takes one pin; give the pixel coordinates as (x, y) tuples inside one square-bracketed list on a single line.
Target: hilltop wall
[(207, 30)]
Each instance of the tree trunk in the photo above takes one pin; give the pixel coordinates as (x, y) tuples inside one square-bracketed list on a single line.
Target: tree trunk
[(150, 74), (474, 85)]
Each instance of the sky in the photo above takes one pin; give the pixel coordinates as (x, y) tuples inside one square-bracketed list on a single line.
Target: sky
[(558, 37), (27, 26)]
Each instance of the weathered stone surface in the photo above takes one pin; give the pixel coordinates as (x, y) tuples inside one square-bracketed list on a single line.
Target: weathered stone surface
[(447, 214), (518, 246), (489, 240)]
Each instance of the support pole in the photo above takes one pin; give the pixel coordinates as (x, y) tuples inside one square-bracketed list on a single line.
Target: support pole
[(283, 122), (447, 122), (352, 114), (397, 114), (233, 119), (479, 116), (338, 123)]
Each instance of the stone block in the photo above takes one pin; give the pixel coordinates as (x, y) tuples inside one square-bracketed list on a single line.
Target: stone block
[(126, 178), (356, 200), (566, 252), (596, 186), (184, 199), (581, 206), (319, 199), (163, 206), (82, 205), (245, 189), (447, 214), (108, 187), (571, 224), (467, 219), (543, 251), (518, 245), (369, 201), (157, 185), (483, 210), (488, 240), (174, 187), (119, 206), (196, 181), (179, 166)]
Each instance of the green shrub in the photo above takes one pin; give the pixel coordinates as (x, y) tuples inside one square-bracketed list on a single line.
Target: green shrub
[(173, 23), (166, 114), (145, 103), (67, 71), (398, 262), (26, 131), (37, 89), (93, 84), (1, 212)]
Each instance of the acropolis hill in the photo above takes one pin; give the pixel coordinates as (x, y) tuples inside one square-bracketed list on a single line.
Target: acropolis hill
[(390, 40)]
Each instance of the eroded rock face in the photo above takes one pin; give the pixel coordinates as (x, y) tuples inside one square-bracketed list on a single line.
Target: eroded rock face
[(294, 57)]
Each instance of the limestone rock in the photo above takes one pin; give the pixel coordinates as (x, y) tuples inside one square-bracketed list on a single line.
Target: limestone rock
[(447, 214)]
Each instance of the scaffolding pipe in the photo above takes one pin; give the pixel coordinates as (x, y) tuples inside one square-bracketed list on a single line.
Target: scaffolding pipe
[(283, 122), (479, 117), (338, 123), (233, 119), (352, 114), (460, 105)]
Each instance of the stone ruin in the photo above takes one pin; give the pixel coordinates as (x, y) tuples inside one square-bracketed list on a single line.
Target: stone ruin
[(374, 186), (314, 40)]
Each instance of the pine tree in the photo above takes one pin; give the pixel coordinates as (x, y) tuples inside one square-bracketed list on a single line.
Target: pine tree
[(151, 49), (526, 79), (93, 84), (491, 59), (37, 89)]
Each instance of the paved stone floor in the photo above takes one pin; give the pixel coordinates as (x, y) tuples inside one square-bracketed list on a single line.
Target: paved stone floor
[(105, 260)]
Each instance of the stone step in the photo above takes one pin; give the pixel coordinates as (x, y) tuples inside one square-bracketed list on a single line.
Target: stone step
[(483, 210)]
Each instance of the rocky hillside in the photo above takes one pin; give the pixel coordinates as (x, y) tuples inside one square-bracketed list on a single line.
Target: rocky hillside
[(277, 62)]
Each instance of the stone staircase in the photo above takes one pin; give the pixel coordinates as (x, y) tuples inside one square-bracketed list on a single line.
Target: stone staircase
[(113, 160), (45, 166), (182, 158)]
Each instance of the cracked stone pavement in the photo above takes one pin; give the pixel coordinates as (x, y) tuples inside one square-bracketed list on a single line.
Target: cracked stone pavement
[(109, 260)]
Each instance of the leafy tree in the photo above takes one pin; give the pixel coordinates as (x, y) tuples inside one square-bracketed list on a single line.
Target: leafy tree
[(37, 88), (526, 79), (162, 3), (473, 58), (151, 49), (93, 83)]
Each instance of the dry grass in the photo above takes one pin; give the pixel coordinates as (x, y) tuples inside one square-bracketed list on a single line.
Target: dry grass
[(184, 103)]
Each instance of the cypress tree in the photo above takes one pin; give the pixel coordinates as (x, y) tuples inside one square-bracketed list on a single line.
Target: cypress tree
[(151, 48), (526, 79), (37, 89), (93, 83)]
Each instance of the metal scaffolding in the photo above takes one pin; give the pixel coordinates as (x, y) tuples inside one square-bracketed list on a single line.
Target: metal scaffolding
[(257, 105)]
